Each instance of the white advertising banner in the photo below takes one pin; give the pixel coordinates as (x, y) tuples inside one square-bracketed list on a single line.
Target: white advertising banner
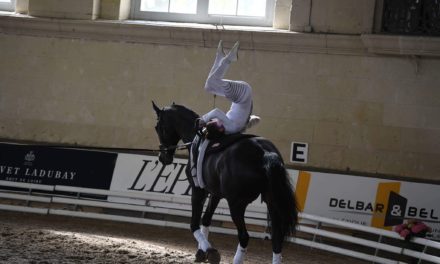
[(367, 201), (140, 173)]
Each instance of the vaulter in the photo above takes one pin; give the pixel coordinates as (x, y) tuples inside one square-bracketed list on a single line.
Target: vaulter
[(238, 118)]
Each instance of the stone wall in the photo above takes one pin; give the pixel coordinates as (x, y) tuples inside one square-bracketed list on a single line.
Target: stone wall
[(88, 83)]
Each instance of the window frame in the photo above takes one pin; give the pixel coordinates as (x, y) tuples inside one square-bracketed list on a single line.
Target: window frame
[(203, 17), (7, 6)]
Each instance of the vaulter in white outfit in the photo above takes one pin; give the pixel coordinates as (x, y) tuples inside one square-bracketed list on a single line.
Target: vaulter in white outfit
[(238, 92)]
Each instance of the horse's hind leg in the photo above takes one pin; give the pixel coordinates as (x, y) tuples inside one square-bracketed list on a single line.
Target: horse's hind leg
[(213, 255), (237, 214), (277, 234)]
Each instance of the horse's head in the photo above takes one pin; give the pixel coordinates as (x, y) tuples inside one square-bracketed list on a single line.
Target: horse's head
[(168, 136)]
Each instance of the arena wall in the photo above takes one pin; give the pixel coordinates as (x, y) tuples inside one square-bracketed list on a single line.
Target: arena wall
[(364, 103)]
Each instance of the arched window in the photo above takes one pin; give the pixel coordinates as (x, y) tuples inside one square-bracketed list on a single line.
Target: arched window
[(219, 12)]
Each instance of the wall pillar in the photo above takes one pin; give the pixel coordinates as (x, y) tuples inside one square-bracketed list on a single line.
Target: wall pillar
[(300, 18), (283, 9), (115, 9), (22, 6), (78, 9)]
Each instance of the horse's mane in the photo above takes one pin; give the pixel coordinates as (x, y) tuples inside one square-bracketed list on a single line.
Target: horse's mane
[(182, 108)]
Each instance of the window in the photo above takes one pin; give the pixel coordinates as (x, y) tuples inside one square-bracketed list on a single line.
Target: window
[(7, 5), (411, 17), (222, 12)]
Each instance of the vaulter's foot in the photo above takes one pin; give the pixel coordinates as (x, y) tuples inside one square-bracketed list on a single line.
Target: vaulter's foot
[(233, 53), (220, 50)]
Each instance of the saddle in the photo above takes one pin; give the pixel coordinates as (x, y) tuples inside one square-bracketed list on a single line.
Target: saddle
[(200, 150)]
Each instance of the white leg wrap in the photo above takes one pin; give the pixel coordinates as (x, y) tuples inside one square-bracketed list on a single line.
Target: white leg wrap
[(239, 255), (203, 242), (276, 258), (205, 231)]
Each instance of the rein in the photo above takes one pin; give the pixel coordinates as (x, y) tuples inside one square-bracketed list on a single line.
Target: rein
[(176, 147), (160, 149)]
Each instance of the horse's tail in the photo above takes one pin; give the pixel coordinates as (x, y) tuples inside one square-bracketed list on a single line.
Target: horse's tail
[(279, 195)]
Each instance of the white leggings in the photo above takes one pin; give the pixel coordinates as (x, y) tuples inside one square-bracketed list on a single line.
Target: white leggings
[(238, 92)]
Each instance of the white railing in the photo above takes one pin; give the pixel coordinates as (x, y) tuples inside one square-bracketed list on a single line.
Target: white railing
[(49, 199)]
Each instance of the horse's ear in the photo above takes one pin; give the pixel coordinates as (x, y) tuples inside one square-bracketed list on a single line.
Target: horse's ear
[(157, 109)]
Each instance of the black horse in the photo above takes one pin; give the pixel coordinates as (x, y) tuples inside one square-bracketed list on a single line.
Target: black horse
[(240, 173)]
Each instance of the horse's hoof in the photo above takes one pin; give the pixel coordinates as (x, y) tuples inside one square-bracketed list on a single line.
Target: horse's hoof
[(213, 256), (200, 256)]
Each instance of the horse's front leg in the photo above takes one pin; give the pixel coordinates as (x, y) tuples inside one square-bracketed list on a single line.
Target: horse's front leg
[(198, 198), (205, 251), (207, 216)]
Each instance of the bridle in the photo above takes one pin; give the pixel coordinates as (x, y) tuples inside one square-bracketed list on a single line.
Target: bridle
[(163, 148)]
